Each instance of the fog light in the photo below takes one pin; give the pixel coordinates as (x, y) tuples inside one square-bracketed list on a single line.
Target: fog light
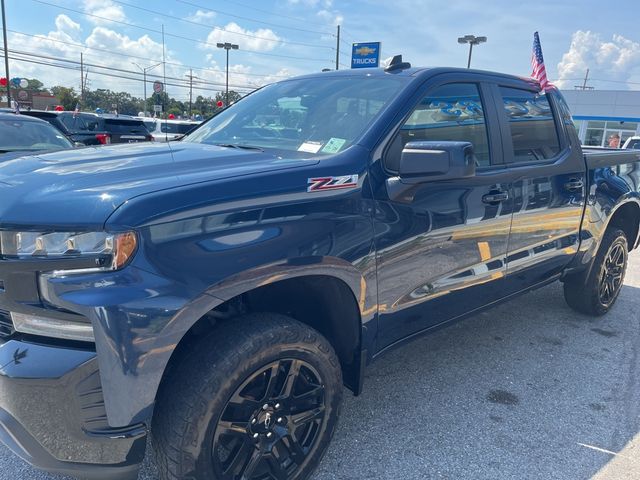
[(52, 327)]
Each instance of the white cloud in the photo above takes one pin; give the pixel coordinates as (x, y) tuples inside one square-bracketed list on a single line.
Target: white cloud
[(616, 60), (105, 9), (263, 39), (334, 18), (201, 16), (65, 25)]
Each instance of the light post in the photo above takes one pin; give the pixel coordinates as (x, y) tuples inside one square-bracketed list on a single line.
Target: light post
[(471, 40), (144, 77), (227, 46)]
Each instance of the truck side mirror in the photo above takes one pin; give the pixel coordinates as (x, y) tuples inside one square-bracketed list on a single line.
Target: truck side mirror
[(427, 161)]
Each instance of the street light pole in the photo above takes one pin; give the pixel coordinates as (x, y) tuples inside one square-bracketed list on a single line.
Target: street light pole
[(144, 79), (471, 40), (6, 53), (227, 46)]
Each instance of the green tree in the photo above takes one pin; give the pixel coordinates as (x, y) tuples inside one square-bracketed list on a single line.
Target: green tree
[(233, 97), (67, 96)]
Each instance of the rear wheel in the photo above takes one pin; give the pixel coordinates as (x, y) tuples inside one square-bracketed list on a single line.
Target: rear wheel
[(597, 293), (256, 400)]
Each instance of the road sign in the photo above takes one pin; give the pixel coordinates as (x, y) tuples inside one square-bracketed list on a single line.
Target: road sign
[(158, 86), (157, 108), (365, 55)]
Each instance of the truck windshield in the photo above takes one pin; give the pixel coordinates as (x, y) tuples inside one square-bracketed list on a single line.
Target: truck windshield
[(312, 115)]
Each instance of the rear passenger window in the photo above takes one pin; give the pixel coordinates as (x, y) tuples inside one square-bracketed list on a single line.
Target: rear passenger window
[(73, 123), (451, 112), (533, 129)]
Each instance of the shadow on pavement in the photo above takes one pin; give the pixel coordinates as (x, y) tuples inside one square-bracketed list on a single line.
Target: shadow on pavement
[(529, 389)]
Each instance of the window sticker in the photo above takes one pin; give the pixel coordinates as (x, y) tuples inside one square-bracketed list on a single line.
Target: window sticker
[(310, 147), (334, 145)]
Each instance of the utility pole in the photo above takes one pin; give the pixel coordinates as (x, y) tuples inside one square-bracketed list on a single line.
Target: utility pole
[(338, 49), (191, 76), (81, 80), (584, 83), (6, 53)]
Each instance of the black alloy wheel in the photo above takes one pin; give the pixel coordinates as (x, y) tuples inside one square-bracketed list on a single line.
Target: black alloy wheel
[(271, 423), (612, 274), (595, 290), (256, 398)]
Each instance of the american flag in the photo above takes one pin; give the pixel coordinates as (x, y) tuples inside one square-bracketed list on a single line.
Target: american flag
[(537, 64)]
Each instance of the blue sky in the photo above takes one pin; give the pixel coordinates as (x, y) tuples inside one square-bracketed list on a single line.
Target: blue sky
[(280, 38)]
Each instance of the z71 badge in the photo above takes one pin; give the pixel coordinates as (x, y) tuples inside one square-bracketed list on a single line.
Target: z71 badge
[(332, 183)]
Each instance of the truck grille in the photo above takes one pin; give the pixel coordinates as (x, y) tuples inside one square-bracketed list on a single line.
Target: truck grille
[(6, 325)]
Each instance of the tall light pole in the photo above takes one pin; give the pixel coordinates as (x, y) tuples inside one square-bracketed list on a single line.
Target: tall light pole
[(6, 54), (471, 40), (227, 46), (144, 77)]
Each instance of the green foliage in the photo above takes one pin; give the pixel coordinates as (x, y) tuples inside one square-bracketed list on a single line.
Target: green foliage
[(67, 96), (125, 104)]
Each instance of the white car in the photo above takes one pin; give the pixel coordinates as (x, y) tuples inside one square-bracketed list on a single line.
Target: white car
[(632, 142), (167, 130)]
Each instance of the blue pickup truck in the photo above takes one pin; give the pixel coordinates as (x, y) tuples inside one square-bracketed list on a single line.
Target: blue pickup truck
[(217, 293)]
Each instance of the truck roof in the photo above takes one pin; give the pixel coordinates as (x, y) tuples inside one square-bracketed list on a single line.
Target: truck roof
[(418, 72)]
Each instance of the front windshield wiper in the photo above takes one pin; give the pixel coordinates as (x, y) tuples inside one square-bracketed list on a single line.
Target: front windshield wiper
[(236, 145)]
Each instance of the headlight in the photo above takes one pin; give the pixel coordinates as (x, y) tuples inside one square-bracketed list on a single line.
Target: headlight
[(111, 250)]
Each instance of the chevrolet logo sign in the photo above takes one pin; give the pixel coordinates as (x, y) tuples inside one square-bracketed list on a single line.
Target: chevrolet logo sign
[(365, 51)]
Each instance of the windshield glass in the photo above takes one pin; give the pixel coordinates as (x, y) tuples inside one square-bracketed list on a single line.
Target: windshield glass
[(18, 135), (313, 115)]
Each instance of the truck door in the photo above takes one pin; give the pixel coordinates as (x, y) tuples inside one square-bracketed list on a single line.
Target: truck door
[(441, 245), (548, 185)]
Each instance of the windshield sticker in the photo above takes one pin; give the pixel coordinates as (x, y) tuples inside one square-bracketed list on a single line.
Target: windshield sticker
[(334, 145), (332, 183), (310, 147)]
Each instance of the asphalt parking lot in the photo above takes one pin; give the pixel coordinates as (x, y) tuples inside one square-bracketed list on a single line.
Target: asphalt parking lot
[(528, 390)]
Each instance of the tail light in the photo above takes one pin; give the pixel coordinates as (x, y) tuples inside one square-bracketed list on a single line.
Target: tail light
[(103, 138), (149, 138)]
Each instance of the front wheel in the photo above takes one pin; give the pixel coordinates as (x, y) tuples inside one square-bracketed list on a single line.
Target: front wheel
[(596, 294), (255, 400)]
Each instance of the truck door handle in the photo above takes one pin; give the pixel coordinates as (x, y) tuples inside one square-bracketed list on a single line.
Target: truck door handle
[(574, 184), (494, 198)]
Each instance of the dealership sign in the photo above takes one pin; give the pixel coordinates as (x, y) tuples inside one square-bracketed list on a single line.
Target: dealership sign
[(365, 55)]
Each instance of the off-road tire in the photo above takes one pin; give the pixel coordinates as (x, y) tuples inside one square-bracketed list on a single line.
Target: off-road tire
[(193, 397)]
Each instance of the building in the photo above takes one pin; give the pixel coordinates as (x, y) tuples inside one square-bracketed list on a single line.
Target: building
[(599, 114)]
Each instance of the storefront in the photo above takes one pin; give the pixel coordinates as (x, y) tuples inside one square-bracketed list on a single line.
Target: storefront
[(601, 114)]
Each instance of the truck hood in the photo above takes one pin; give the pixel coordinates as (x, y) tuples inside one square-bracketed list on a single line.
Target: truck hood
[(81, 188)]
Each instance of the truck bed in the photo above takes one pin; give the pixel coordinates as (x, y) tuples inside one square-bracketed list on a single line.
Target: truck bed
[(608, 157)]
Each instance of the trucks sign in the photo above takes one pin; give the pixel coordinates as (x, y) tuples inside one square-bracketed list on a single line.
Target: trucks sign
[(365, 55)]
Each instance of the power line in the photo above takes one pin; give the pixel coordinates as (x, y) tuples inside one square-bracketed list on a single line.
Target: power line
[(214, 27), (80, 45), (111, 75), (112, 69), (254, 20), (201, 42)]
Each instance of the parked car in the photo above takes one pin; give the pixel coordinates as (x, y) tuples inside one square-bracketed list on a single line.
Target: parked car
[(95, 129), (632, 143), (20, 135), (218, 292), (167, 130)]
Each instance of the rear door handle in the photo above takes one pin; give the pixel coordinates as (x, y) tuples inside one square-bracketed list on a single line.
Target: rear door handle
[(493, 198), (574, 184)]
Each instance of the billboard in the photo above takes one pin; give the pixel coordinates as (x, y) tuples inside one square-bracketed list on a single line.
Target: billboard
[(365, 55)]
